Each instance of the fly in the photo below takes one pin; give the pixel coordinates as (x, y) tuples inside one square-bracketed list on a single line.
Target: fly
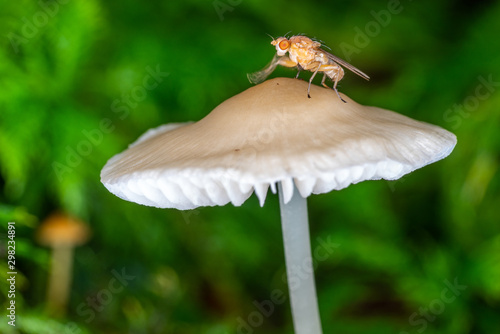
[(306, 54)]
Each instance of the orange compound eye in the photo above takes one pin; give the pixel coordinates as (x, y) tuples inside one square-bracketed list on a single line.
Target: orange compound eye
[(284, 44)]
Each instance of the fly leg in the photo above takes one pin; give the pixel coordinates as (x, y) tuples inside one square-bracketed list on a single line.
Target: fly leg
[(299, 68), (335, 87), (323, 81), (334, 72), (310, 80), (315, 67)]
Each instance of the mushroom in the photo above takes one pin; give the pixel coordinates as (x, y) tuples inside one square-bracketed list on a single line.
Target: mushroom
[(273, 134), (61, 233)]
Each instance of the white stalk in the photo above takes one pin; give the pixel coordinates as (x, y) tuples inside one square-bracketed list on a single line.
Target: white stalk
[(299, 265)]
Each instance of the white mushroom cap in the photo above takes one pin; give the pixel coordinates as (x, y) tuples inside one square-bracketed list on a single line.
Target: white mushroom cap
[(272, 133)]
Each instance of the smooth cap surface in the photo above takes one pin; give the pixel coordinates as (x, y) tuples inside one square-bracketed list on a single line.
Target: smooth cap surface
[(268, 133)]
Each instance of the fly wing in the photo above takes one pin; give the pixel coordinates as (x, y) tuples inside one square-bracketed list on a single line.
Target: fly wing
[(260, 76), (345, 64)]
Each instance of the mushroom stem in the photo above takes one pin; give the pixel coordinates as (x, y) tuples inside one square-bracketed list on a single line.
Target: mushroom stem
[(299, 264), (60, 278)]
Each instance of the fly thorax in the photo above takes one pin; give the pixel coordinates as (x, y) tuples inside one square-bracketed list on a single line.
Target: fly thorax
[(302, 55)]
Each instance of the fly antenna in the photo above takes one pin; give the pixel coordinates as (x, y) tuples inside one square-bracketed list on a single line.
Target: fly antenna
[(271, 36)]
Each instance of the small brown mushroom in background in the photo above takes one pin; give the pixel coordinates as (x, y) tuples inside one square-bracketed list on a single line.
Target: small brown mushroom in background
[(61, 233), (273, 134)]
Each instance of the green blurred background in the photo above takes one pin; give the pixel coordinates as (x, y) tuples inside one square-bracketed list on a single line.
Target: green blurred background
[(65, 66)]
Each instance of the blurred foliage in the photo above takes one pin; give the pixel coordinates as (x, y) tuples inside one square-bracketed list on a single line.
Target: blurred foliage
[(69, 100)]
